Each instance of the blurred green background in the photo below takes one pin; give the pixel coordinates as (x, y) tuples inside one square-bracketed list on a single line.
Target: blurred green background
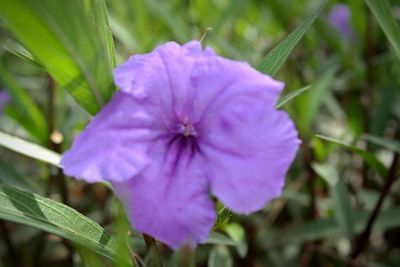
[(56, 62)]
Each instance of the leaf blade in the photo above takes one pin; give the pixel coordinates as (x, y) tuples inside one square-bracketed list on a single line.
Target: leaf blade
[(23, 109), (383, 142), (381, 10), (29, 149), (324, 228), (56, 218), (289, 97), (278, 55), (69, 47), (368, 157)]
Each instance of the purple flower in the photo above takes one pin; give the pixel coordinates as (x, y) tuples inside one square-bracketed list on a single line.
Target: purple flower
[(4, 99), (339, 18), (186, 124)]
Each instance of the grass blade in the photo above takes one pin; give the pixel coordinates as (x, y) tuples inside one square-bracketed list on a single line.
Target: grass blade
[(23, 109), (368, 157), (29, 149), (73, 49), (387, 21), (312, 100), (324, 228), (389, 144), (289, 97), (275, 59)]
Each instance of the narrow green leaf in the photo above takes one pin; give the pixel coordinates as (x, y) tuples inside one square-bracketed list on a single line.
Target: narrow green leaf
[(23, 109), (389, 144), (340, 198), (56, 218), (387, 21), (325, 228), (67, 42), (289, 97), (29, 149), (220, 257), (24, 55), (275, 59), (121, 230), (98, 9), (383, 109), (312, 100), (223, 215), (122, 34), (368, 157)]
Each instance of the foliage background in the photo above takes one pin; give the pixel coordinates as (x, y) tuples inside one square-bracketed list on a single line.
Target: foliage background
[(56, 60)]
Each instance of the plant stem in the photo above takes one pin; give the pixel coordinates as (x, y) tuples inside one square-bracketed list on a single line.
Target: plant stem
[(362, 241), (151, 244)]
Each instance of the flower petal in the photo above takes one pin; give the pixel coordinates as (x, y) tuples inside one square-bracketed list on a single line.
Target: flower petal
[(162, 77), (248, 151), (217, 80), (114, 145), (170, 199)]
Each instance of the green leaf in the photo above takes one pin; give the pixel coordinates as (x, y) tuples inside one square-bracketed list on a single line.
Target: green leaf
[(23, 54), (220, 239), (56, 218), (223, 215), (220, 257), (23, 109), (238, 234), (122, 34), (289, 97), (29, 149), (340, 197), (312, 100), (325, 228), (383, 110), (275, 59), (387, 21), (121, 228), (75, 48), (100, 21), (368, 157), (389, 144)]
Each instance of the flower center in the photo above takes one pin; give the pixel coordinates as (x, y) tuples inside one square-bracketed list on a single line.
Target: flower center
[(186, 128)]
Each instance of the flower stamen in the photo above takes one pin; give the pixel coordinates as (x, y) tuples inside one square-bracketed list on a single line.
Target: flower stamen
[(186, 128)]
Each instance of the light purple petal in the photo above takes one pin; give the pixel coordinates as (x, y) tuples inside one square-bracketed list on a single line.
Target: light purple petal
[(170, 200), (248, 151), (339, 18), (114, 145), (161, 77), (186, 80), (4, 99), (217, 81)]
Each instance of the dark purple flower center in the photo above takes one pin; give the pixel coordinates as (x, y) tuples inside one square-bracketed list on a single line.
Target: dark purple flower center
[(184, 140)]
